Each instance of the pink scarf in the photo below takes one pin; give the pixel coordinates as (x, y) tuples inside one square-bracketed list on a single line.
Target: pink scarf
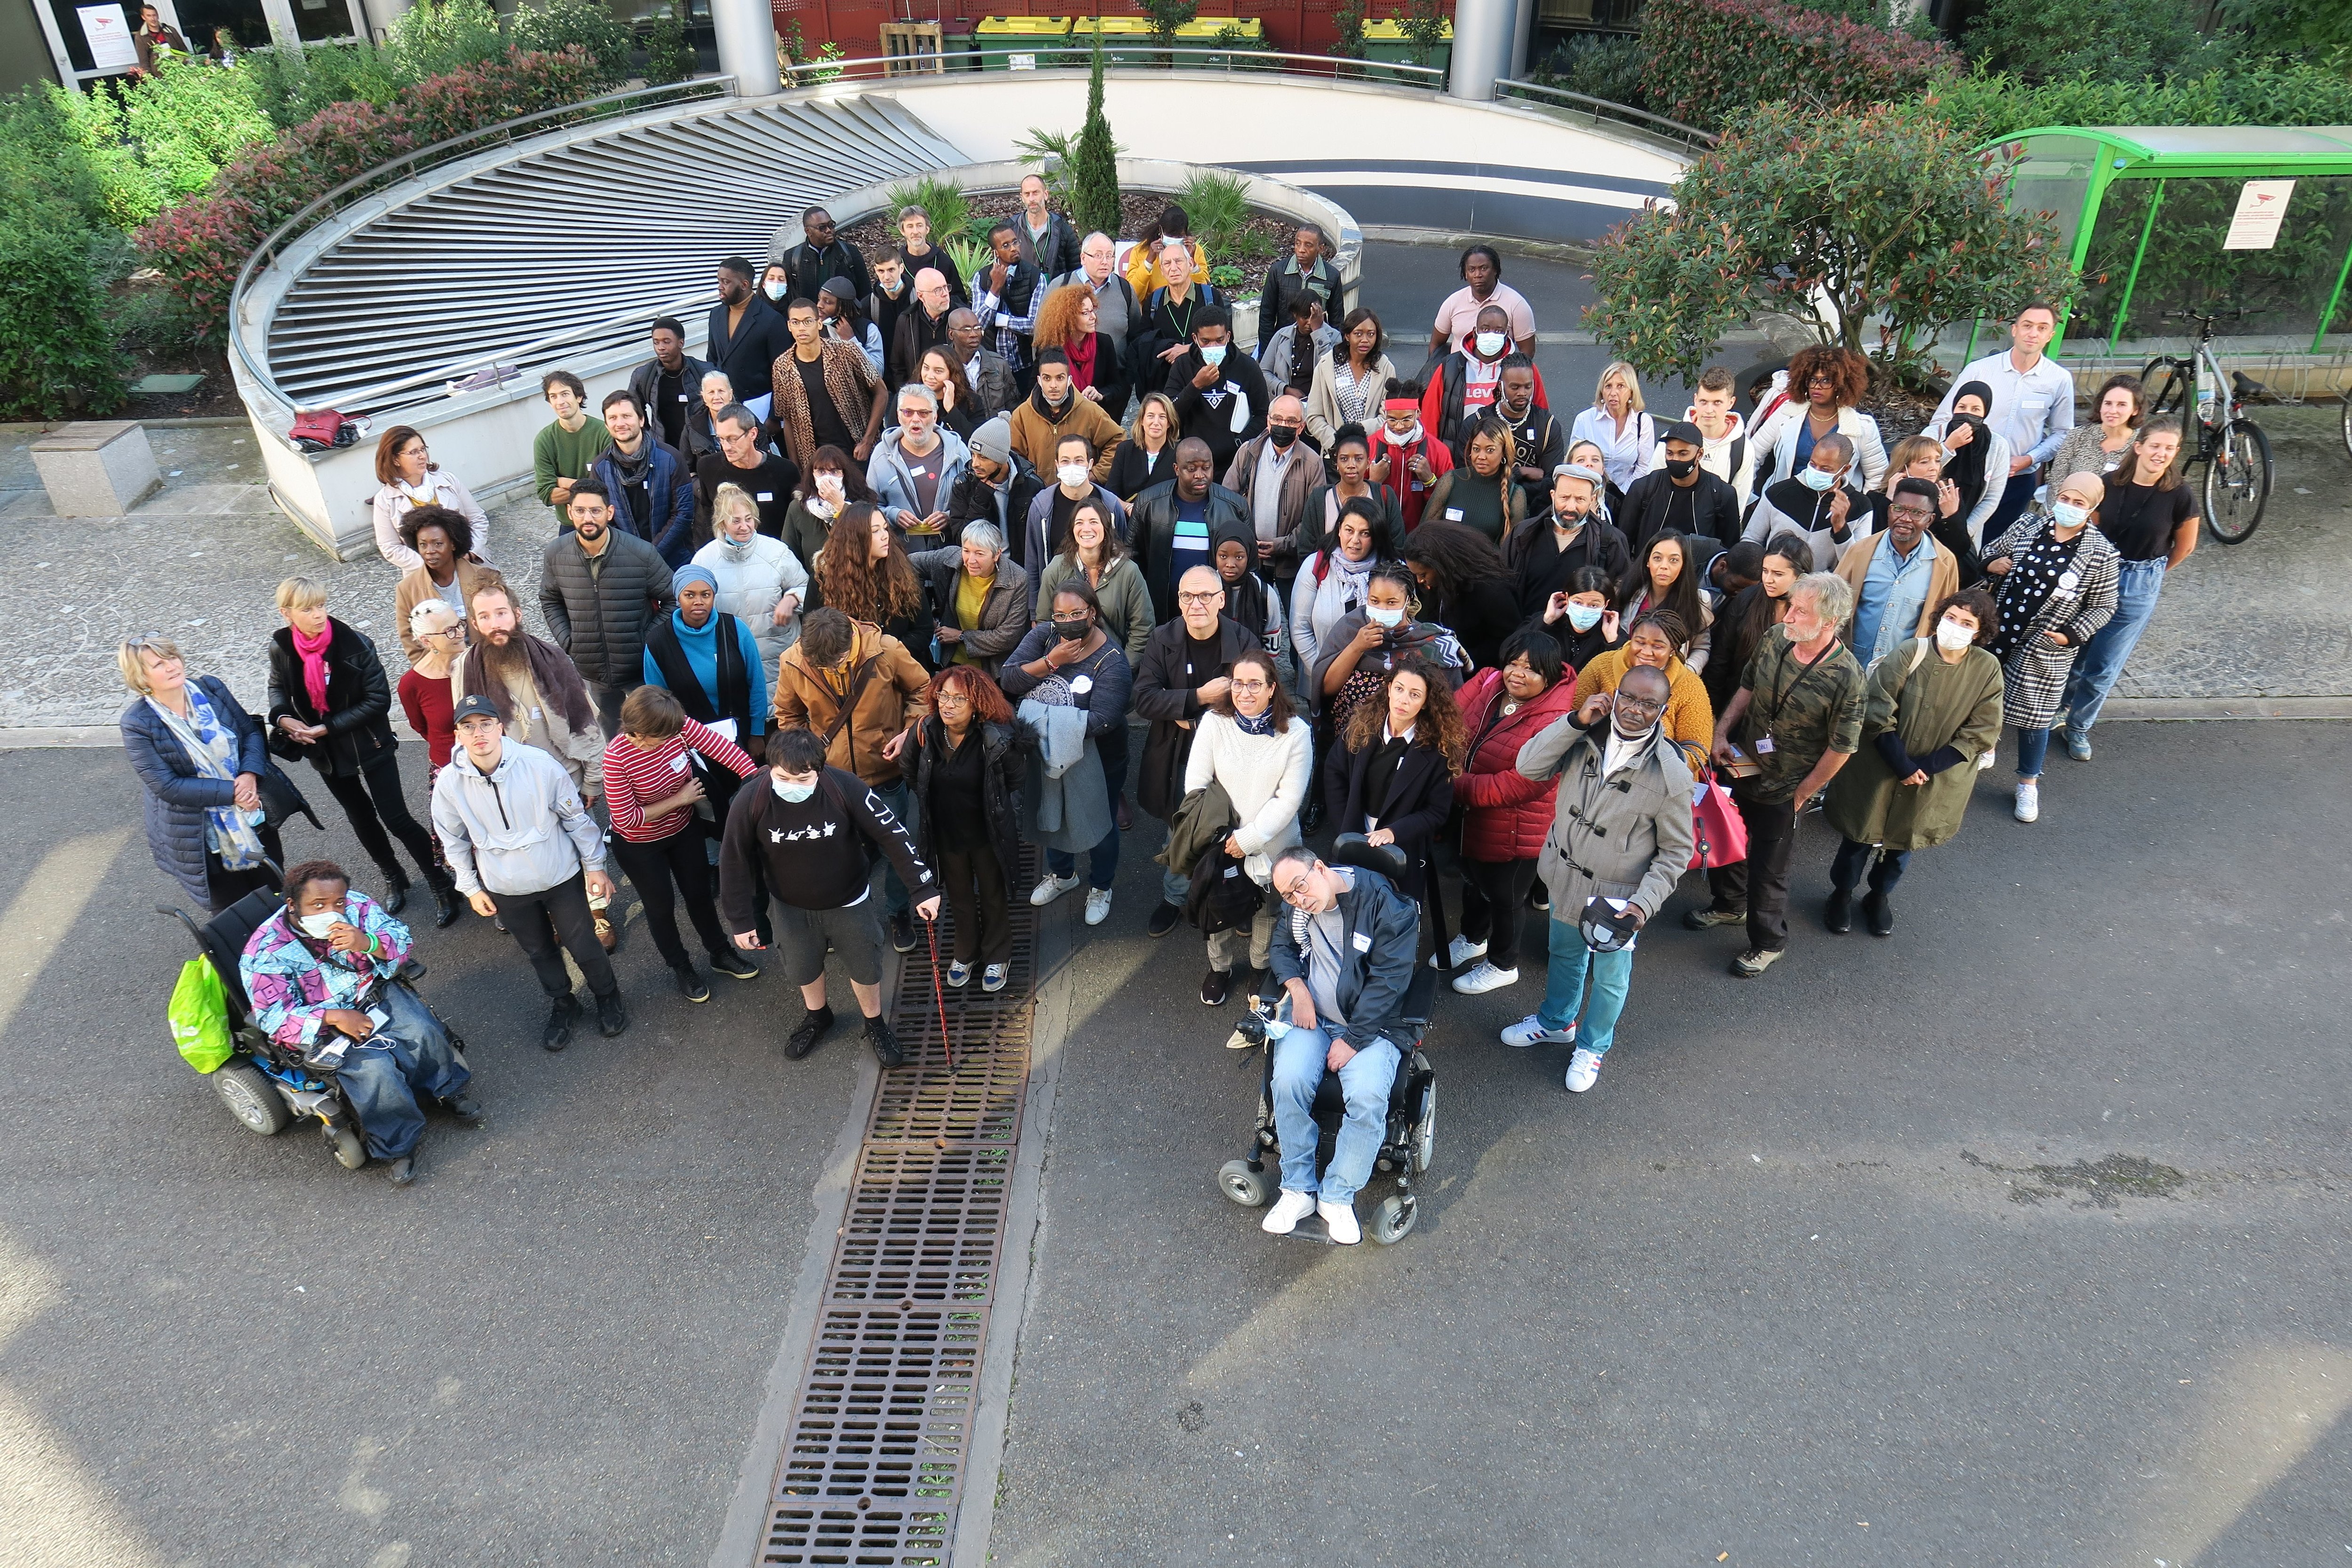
[(314, 665)]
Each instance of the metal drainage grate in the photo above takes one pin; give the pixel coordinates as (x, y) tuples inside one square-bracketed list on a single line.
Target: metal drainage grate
[(875, 1453)]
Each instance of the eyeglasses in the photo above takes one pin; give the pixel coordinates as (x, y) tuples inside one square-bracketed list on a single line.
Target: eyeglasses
[(1251, 686), (1210, 597), (146, 639), (1298, 889), (1641, 704)]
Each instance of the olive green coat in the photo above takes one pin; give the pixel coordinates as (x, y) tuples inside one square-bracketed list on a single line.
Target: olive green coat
[(1931, 706)]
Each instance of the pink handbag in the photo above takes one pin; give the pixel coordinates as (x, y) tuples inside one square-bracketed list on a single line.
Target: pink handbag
[(1722, 833)]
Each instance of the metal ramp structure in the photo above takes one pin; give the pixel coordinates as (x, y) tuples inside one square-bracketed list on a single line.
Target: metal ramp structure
[(573, 247)]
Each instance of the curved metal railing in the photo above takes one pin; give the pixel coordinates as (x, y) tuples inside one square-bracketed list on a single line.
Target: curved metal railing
[(1070, 54), (1601, 111), (408, 165)]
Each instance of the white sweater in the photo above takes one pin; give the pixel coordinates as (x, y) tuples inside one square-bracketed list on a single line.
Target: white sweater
[(1265, 776), (751, 582)]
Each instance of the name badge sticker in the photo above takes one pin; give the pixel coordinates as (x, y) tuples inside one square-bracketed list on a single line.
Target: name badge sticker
[(1363, 941), (1764, 745)]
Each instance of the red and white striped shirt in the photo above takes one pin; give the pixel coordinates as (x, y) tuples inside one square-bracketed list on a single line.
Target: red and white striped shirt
[(635, 779)]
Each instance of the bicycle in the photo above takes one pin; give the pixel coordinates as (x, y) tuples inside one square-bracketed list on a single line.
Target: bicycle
[(2236, 453)]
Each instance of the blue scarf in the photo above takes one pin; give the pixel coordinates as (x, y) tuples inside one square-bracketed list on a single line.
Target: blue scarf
[(1261, 725)]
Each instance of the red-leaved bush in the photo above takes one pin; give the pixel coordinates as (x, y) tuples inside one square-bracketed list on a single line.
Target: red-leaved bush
[(1710, 60), (200, 245)]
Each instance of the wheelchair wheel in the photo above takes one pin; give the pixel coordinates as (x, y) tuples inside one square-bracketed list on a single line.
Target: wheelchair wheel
[(1249, 1188), (1393, 1220), (351, 1148), (1424, 1133), (246, 1091)]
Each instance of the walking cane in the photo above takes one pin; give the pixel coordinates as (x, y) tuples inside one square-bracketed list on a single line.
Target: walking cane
[(931, 929)]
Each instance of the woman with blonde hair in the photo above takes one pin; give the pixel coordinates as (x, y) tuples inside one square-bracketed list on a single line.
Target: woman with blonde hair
[(410, 478), (1066, 322), (864, 573), (1620, 425), (760, 582)]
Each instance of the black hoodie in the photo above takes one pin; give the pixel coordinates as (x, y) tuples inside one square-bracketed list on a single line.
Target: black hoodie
[(813, 852)]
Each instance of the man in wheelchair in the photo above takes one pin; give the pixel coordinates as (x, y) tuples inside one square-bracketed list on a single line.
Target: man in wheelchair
[(1344, 955), (320, 973)]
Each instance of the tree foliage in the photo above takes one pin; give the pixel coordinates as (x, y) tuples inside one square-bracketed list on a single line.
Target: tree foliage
[(1877, 230), (2117, 40), (1093, 164)]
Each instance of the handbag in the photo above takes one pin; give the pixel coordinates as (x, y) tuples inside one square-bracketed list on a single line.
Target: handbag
[(1721, 833)]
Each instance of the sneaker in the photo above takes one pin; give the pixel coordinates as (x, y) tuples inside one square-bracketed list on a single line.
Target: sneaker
[(1755, 961), (810, 1029), (2077, 746), (886, 1049), (2028, 799), (1531, 1031), (902, 932), (1484, 978), (689, 983), (993, 977), (464, 1109), (1837, 915), (403, 1170), (1164, 919), (1584, 1067), (558, 1033), (1460, 954), (1097, 905), (608, 935), (734, 965), (1539, 898), (959, 974), (1049, 888), (1706, 917), (1215, 986), (1287, 1211), (1340, 1219), (611, 1017)]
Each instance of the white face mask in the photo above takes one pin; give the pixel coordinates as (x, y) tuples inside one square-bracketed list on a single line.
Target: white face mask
[(1952, 636), (1490, 344), (319, 924), (795, 793), (828, 485), (1814, 479), (776, 290), (1071, 475), (1212, 354), (1583, 618), (1384, 614), (2067, 515)]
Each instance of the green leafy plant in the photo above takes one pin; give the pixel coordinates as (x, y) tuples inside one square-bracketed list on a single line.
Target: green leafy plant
[(1982, 105), (1348, 22), (58, 352), (2321, 28), (1093, 162), (1597, 64), (1049, 154), (291, 86), (1423, 24), (587, 26), (1709, 61), (1226, 275), (1876, 230), (1218, 204), (433, 38), (971, 257), (941, 199), (1167, 15), (2123, 40), (669, 57)]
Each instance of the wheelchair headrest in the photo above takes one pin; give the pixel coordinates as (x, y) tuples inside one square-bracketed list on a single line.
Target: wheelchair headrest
[(226, 933), (1354, 850)]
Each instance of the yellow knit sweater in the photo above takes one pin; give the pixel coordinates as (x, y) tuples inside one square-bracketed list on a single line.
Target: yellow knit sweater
[(1690, 717)]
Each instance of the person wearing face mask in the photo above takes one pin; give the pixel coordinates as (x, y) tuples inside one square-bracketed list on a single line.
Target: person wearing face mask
[(1053, 410), (1795, 721), (1547, 550), (2058, 580), (1976, 456), (746, 461), (2151, 519), (1934, 708), (922, 326), (1681, 496), (1506, 817), (834, 484), (1621, 839), (1220, 395), (969, 756), (1469, 380), (1899, 576), (806, 837), (1358, 651), (1820, 502), (760, 582), (1653, 640), (1407, 459), (1051, 511), (1278, 471), (917, 465), (747, 334), (1073, 684), (1583, 617), (320, 967)]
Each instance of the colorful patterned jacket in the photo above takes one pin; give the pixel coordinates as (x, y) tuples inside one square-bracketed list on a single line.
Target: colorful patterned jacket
[(293, 979)]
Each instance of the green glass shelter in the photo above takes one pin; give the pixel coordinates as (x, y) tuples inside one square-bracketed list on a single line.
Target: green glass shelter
[(2210, 217)]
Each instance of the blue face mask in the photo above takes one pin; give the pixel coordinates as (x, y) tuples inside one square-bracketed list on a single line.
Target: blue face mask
[(2067, 515), (1583, 618), (795, 793), (1815, 478), (1384, 614), (1212, 354)]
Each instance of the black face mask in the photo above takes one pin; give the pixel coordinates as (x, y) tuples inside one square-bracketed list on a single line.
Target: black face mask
[(1073, 631), (1681, 469), (1282, 436)]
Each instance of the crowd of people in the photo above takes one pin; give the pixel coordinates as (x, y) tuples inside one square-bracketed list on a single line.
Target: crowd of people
[(917, 569)]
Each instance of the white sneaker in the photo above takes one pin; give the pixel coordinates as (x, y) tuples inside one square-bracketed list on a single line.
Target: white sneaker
[(1287, 1211), (2028, 799), (1584, 1067), (1049, 888), (1097, 905), (1461, 953), (1340, 1219), (992, 978), (1530, 1031), (958, 975), (1484, 978)]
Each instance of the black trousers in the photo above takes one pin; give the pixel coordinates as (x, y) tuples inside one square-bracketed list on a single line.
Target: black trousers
[(655, 867), (1760, 881), (555, 921), (974, 885), (1494, 896), (371, 798), (224, 887)]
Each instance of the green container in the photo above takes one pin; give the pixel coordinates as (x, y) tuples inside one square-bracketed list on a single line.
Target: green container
[(1385, 42), (1021, 42)]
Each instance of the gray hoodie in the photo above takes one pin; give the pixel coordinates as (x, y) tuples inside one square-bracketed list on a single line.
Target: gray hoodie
[(520, 829)]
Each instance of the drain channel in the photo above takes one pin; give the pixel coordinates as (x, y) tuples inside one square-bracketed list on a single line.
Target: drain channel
[(877, 1452)]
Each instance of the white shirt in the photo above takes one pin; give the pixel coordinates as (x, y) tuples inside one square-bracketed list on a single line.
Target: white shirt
[(2032, 409), (1619, 751), (1625, 457)]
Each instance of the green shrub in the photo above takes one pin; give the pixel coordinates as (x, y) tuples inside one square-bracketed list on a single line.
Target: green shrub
[(2319, 28), (669, 57), (2119, 40), (1049, 152), (190, 120), (1093, 163), (1218, 204), (1711, 60), (1597, 64), (291, 86), (433, 37), (1878, 225), (1980, 106), (58, 351), (151, 320), (972, 257), (1167, 15), (584, 24), (1348, 23)]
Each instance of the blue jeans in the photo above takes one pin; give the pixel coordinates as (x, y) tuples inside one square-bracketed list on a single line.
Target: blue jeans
[(2101, 663), (1845, 870), (1102, 861), (1173, 888), (383, 1076), (2033, 746), (1612, 975), (1299, 1058)]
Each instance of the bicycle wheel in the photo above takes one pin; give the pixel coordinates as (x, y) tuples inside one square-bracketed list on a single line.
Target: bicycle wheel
[(2238, 482), (2164, 386)]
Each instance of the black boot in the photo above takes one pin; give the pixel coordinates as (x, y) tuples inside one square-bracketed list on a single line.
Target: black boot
[(1879, 913), (445, 902), (1838, 913), (395, 891)]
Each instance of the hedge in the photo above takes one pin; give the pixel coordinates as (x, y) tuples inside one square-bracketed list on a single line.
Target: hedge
[(1711, 60), (201, 245), (1982, 105)]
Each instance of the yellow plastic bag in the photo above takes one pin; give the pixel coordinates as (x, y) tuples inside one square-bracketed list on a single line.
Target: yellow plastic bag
[(199, 1014)]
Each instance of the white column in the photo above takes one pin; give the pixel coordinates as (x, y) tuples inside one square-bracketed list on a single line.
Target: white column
[(1482, 46), (746, 36), (1523, 33), (281, 17)]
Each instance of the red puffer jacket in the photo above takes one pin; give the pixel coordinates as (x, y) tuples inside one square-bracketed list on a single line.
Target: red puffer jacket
[(1505, 816)]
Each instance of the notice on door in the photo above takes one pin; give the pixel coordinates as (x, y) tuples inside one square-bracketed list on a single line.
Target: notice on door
[(2262, 207), (108, 32)]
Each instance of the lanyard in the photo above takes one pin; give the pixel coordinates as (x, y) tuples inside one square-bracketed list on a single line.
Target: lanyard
[(1804, 673)]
